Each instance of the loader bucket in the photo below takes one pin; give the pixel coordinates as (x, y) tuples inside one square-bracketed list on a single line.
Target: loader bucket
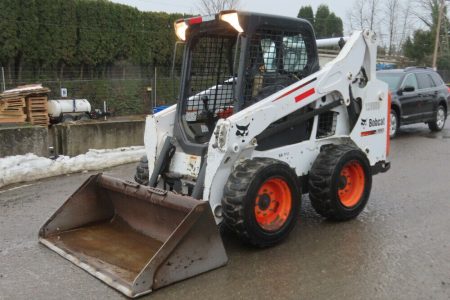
[(134, 238)]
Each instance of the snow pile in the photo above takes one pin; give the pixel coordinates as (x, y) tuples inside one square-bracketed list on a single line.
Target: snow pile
[(30, 167)]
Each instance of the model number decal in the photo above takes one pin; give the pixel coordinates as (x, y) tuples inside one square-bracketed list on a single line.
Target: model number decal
[(373, 106), (284, 154)]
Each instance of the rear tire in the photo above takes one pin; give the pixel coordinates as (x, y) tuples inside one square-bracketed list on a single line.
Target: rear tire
[(261, 201), (141, 175), (340, 181), (439, 122)]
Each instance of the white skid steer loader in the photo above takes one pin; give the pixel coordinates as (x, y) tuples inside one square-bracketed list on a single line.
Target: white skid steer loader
[(256, 126)]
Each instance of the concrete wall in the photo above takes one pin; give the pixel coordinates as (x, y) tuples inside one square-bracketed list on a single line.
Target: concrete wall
[(76, 138), (23, 140)]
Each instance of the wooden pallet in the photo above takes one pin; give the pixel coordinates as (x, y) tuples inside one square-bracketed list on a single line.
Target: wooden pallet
[(38, 119), (12, 110), (37, 110), (37, 104)]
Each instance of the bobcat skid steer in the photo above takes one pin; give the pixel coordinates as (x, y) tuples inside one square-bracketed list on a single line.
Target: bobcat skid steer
[(256, 126)]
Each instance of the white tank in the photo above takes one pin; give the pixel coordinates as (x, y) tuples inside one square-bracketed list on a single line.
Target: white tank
[(61, 106)]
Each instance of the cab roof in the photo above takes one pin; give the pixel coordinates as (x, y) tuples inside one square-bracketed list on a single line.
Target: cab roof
[(250, 21)]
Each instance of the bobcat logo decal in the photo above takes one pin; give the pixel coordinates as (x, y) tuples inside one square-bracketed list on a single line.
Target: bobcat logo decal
[(363, 122), (242, 130)]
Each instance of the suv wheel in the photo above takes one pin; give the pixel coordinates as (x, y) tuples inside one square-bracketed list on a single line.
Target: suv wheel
[(439, 123), (394, 124)]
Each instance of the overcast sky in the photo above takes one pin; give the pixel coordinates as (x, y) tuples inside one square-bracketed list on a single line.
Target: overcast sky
[(279, 7)]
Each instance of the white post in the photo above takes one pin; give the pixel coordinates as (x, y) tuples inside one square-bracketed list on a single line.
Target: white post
[(3, 79), (155, 86), (104, 108)]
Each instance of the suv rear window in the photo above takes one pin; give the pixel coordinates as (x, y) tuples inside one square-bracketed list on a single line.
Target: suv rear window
[(425, 81), (437, 79)]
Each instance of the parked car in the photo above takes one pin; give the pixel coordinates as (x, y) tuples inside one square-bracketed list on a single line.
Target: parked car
[(418, 95)]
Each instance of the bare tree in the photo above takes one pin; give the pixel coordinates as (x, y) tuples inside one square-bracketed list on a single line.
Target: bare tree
[(373, 12), (391, 19), (210, 7), (364, 14), (427, 12), (356, 15), (406, 25), (391, 11)]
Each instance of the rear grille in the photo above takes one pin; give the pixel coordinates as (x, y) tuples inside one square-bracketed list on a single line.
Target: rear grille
[(327, 124)]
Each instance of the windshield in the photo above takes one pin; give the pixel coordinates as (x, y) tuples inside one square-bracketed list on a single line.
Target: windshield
[(209, 88), (392, 79)]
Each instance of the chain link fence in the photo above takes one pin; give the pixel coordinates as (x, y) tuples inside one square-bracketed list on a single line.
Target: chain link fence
[(130, 90), (126, 90)]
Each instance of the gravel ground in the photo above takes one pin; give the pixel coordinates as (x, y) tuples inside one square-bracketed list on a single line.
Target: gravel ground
[(398, 248)]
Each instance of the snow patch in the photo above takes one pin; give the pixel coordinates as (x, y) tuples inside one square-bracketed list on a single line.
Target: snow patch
[(28, 167)]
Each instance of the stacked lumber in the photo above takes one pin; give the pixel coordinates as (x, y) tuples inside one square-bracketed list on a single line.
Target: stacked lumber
[(37, 110), (25, 103), (25, 90), (12, 110)]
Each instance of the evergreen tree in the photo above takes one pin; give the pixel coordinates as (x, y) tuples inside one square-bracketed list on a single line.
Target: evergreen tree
[(321, 17), (326, 24), (306, 12), (420, 47), (334, 26), (9, 42)]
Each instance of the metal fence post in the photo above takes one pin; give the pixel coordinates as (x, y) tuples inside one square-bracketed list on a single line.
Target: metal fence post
[(3, 79)]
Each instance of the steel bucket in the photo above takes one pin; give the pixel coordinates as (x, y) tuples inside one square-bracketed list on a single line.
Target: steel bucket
[(134, 238)]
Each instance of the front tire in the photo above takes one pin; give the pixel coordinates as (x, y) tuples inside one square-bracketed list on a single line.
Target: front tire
[(141, 175), (439, 122), (261, 201), (395, 124), (340, 181)]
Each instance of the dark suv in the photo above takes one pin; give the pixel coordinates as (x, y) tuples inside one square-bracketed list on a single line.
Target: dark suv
[(418, 95)]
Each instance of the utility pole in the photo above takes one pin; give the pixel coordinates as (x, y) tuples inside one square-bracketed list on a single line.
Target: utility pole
[(438, 30)]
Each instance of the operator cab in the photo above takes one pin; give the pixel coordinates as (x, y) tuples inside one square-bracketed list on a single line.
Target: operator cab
[(233, 60)]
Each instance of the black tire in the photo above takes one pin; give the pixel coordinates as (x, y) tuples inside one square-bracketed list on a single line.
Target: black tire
[(326, 178), (395, 124), (141, 175), (439, 121), (67, 118), (240, 203), (84, 117)]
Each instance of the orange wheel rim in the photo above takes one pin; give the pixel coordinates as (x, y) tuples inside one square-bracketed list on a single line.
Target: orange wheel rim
[(273, 204), (351, 183)]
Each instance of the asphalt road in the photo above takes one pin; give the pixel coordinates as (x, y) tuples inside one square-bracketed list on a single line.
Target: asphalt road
[(398, 248)]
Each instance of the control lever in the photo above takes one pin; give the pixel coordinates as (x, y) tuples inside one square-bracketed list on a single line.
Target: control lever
[(209, 114), (205, 103)]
